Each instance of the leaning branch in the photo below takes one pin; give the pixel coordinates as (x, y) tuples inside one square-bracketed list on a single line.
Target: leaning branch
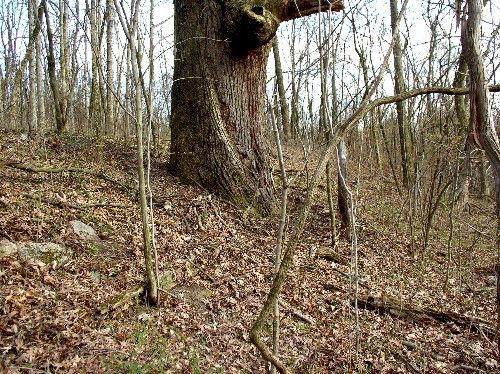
[(365, 107), (287, 260)]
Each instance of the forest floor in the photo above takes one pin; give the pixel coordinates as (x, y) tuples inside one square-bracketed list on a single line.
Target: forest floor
[(222, 260)]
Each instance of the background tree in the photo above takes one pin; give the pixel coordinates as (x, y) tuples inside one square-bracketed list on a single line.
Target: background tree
[(399, 87)]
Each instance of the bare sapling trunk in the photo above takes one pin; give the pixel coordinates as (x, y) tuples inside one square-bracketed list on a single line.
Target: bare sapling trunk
[(95, 92), (461, 114), (344, 197), (64, 69), (39, 80), (149, 257), (153, 124), (285, 118), (280, 233)]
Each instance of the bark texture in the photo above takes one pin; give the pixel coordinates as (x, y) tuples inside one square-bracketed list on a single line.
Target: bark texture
[(218, 108)]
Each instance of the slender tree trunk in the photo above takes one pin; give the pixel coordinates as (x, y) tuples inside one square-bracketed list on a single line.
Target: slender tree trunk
[(131, 32), (461, 114), (398, 88), (280, 233), (484, 132), (110, 99), (294, 102), (344, 197), (95, 93), (64, 61), (74, 71), (153, 122), (32, 123), (40, 89), (51, 67), (285, 118), (128, 95)]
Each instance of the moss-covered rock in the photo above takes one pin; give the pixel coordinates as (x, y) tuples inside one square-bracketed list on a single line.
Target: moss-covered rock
[(51, 254)]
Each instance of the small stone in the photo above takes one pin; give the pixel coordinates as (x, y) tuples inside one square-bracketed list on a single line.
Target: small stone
[(84, 231), (491, 280), (95, 276), (7, 248)]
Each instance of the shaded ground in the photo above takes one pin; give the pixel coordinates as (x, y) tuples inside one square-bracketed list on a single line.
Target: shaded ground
[(222, 260)]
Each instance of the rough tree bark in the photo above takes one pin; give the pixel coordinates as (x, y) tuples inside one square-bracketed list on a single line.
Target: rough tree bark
[(218, 107)]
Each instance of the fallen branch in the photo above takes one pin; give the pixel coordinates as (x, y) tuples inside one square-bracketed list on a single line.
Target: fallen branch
[(297, 313), (63, 204), (125, 299), (393, 307), (57, 170), (122, 300), (408, 364), (467, 368)]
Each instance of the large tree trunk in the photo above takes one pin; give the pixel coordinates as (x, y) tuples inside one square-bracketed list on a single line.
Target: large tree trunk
[(218, 108)]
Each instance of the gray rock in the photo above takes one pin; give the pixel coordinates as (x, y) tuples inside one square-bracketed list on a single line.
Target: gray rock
[(491, 280), (84, 231), (7, 248), (51, 254)]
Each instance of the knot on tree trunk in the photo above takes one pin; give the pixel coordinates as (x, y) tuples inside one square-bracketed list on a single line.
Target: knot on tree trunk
[(248, 25)]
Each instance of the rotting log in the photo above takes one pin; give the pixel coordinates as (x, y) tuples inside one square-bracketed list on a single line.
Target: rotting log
[(393, 307), (329, 255)]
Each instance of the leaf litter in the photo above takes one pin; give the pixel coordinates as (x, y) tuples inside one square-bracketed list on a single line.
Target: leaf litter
[(222, 263)]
